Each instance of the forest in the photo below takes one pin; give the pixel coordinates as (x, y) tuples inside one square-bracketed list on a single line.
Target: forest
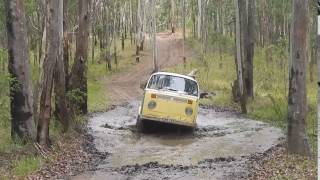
[(68, 65)]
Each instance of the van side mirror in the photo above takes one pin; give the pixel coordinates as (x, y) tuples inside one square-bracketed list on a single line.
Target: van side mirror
[(203, 95), (207, 95), (143, 85)]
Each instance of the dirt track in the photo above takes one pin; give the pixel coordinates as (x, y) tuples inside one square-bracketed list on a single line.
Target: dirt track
[(126, 87), (222, 147)]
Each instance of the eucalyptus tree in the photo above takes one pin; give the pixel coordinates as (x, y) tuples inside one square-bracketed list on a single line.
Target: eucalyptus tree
[(297, 98), (140, 28), (54, 55), (250, 46), (22, 122), (78, 79), (241, 36), (173, 16), (154, 34)]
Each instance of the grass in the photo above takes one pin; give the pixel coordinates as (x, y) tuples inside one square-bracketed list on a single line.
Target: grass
[(26, 165), (216, 73), (98, 75)]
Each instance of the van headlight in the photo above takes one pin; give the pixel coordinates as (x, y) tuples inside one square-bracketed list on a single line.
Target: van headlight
[(189, 111), (152, 105)]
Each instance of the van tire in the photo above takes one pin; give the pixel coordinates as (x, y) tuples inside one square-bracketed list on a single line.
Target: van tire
[(140, 125)]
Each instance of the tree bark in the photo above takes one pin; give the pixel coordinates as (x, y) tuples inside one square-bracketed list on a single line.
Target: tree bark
[(61, 108), (54, 45), (184, 31), (78, 79), (66, 45), (297, 99), (250, 47), (199, 18), (173, 28), (241, 27), (318, 64), (22, 123), (154, 35), (140, 28)]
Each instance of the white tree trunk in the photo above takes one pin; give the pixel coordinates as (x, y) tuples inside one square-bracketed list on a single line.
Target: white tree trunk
[(199, 18), (22, 123), (154, 35), (238, 46)]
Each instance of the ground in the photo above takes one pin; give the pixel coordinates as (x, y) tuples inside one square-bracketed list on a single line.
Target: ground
[(226, 144), (221, 147)]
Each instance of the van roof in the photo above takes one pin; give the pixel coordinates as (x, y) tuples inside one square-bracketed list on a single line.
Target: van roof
[(174, 74)]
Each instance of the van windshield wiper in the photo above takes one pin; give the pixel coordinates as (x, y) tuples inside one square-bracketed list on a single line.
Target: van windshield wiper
[(167, 88), (171, 89)]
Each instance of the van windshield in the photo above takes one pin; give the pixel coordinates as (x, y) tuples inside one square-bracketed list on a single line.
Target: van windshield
[(173, 83)]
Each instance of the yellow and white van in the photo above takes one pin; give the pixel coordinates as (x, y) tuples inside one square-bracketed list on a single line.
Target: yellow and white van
[(170, 98)]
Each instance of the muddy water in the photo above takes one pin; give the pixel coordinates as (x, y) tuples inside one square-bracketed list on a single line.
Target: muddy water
[(219, 148)]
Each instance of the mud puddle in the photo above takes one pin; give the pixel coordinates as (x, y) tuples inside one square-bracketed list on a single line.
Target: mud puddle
[(219, 148)]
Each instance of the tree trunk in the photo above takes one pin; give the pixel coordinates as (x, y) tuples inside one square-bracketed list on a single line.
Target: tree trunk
[(93, 18), (241, 27), (184, 31), (22, 123), (173, 28), (154, 36), (250, 47), (140, 27), (54, 48), (318, 63), (297, 99), (78, 79), (61, 108), (115, 38), (66, 45), (199, 18)]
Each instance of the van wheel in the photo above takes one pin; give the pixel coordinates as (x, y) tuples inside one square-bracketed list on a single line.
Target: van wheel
[(140, 125)]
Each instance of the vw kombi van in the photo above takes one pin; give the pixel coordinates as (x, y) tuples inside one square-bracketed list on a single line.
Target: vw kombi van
[(170, 98)]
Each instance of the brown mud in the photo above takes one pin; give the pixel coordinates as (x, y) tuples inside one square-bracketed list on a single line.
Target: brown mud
[(223, 146)]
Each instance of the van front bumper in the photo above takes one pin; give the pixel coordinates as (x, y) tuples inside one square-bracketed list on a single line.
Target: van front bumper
[(167, 120)]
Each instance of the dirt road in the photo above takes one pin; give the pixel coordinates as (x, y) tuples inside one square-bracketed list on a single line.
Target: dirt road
[(126, 87), (222, 147)]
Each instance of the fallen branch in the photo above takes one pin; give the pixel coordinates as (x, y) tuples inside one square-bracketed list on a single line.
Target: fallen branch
[(41, 150)]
